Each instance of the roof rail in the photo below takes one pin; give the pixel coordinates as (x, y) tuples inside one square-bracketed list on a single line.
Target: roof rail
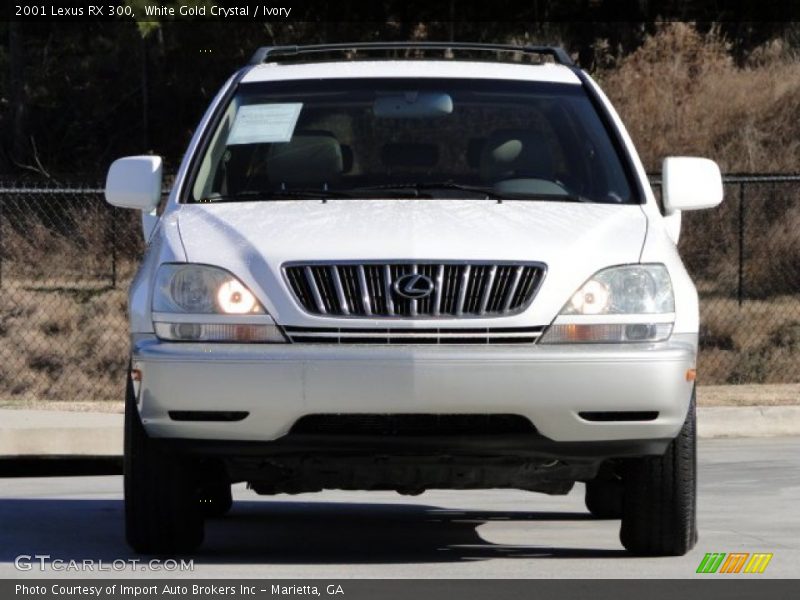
[(272, 53)]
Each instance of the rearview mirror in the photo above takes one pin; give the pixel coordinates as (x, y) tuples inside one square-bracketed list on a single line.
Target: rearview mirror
[(134, 182), (690, 183), (412, 105)]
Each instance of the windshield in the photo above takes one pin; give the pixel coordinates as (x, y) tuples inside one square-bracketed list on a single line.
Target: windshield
[(397, 138)]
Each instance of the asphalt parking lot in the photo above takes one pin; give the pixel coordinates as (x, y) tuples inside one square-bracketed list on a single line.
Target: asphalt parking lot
[(749, 498)]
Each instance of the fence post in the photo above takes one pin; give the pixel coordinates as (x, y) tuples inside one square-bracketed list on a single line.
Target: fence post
[(113, 246), (740, 283)]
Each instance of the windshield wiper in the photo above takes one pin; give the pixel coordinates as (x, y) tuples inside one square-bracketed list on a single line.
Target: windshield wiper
[(413, 190), (394, 190), (487, 192), (397, 190), (494, 194), (252, 195)]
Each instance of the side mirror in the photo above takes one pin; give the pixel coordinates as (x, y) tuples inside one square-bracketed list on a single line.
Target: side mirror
[(134, 182), (689, 183)]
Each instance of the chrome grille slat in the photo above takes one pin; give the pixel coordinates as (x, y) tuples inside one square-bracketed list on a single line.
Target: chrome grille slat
[(487, 290), (312, 283), (326, 290), (437, 310), (387, 287), (351, 288), (337, 284), (512, 289), (413, 303), (375, 288), (474, 287), (450, 289), (528, 282), (362, 284), (500, 283), (461, 289)]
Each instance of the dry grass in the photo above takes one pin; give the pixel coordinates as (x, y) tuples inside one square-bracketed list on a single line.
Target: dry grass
[(62, 343), (681, 93), (752, 325), (773, 264), (63, 328), (749, 395), (709, 243), (110, 406), (758, 342), (53, 245)]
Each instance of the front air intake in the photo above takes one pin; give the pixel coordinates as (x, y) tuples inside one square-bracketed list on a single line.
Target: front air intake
[(412, 425), (608, 416)]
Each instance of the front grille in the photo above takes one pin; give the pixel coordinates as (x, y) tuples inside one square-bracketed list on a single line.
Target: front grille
[(366, 289), (412, 424), (449, 335)]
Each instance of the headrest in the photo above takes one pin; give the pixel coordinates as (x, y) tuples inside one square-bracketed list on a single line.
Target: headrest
[(309, 158), (514, 153)]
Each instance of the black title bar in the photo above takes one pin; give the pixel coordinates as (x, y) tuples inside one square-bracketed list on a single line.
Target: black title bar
[(584, 11)]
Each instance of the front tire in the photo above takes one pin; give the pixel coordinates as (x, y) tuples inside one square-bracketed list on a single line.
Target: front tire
[(659, 512), (162, 515), (604, 498), (215, 500)]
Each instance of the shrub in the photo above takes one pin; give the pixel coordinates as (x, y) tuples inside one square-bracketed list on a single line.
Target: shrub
[(682, 93)]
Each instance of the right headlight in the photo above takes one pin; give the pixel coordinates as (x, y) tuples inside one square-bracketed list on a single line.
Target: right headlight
[(629, 303), (201, 303)]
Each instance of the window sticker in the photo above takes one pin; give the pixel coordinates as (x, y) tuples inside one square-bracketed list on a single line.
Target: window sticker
[(264, 123)]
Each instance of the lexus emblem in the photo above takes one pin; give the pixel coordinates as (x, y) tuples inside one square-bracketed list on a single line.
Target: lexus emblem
[(414, 286)]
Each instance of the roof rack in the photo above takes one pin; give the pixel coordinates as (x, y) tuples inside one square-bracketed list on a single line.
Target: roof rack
[(273, 53)]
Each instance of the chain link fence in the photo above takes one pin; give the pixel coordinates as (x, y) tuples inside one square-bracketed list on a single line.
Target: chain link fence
[(745, 259), (66, 259)]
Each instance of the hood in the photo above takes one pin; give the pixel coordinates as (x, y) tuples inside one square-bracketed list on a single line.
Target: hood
[(254, 239)]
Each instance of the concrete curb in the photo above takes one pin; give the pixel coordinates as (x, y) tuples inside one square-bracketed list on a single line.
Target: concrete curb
[(59, 433), (54, 433)]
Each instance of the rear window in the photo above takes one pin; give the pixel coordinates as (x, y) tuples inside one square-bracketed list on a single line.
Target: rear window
[(396, 138)]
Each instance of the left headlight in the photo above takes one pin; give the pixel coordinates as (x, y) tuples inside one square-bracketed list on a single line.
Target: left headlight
[(628, 303), (203, 303)]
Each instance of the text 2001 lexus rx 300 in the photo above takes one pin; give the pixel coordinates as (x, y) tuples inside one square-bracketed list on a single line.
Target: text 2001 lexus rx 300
[(402, 274)]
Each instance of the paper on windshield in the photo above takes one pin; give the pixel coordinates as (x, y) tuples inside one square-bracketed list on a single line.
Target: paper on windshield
[(264, 123)]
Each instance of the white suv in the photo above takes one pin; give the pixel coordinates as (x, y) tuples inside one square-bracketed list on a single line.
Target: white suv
[(433, 271)]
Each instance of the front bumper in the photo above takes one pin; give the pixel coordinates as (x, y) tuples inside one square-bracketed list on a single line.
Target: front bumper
[(550, 385)]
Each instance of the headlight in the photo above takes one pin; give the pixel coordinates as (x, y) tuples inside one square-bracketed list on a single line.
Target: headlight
[(201, 290), (632, 289), (631, 303), (203, 303)]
